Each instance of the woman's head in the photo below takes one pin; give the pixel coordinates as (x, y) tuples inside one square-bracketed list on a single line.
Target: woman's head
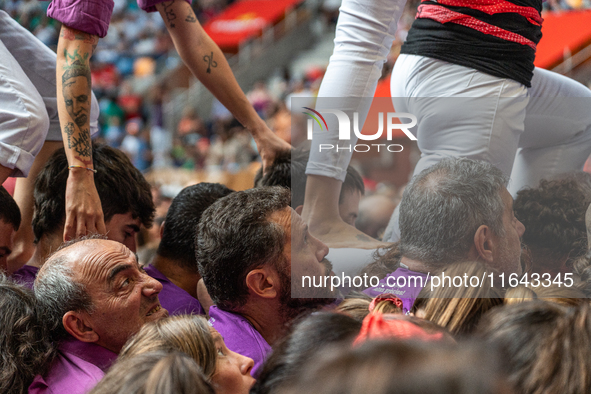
[(381, 367), (459, 308), (546, 347), (228, 371), (25, 346), (155, 372)]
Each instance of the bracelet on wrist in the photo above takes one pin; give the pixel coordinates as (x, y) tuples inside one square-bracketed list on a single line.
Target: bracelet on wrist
[(86, 168)]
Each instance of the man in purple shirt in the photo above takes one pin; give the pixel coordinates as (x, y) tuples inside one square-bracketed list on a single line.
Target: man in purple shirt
[(93, 296), (125, 195), (250, 245), (175, 265), (457, 210)]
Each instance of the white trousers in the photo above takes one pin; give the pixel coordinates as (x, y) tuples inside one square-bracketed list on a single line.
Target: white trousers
[(28, 104)]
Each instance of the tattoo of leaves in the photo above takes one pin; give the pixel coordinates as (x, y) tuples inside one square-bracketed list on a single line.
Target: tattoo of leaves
[(82, 144), (191, 18)]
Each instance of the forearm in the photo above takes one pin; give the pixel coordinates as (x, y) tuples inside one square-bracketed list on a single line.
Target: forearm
[(207, 62), (74, 93)]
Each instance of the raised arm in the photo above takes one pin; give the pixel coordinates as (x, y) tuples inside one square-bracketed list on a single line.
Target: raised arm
[(207, 62), (84, 213)]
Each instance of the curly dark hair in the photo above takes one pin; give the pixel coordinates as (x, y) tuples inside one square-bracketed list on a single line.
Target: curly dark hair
[(121, 187), (554, 217), (234, 237), (26, 348)]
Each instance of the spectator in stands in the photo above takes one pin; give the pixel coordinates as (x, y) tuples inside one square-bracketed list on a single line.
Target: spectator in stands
[(93, 296), (174, 264), (26, 349), (125, 196), (554, 217), (250, 244), (10, 221), (402, 367), (546, 348), (457, 210), (158, 372), (227, 371)]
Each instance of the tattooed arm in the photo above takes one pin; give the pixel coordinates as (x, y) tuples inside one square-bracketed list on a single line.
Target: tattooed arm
[(84, 213), (207, 62)]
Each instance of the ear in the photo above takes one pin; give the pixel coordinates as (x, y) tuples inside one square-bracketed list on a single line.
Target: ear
[(77, 325), (484, 243), (299, 209), (263, 282), (162, 229)]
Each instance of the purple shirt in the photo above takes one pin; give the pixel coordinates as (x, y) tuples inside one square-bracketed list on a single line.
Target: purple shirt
[(240, 336), (25, 275), (76, 370), (403, 283), (92, 17), (174, 299)]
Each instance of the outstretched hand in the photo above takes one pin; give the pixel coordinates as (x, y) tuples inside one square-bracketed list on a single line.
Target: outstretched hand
[(84, 213)]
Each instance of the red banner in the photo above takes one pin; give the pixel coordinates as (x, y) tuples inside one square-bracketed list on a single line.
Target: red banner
[(244, 20), (562, 30)]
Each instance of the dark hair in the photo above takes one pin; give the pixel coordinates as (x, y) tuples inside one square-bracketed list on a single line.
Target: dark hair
[(308, 336), (235, 236), (444, 205), (546, 347), (9, 211), (121, 187), (158, 372), (26, 349), (353, 181), (289, 170), (384, 367), (178, 237), (554, 219)]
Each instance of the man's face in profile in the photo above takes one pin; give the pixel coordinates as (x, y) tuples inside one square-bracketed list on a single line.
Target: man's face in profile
[(77, 100)]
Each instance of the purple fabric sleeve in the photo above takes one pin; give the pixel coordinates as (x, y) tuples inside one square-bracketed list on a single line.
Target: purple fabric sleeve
[(150, 5), (89, 16)]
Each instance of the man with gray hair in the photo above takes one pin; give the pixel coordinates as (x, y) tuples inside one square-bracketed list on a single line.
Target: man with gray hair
[(457, 210), (93, 296)]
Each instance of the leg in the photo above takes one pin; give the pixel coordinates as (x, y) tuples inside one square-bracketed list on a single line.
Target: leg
[(364, 35), (557, 136)]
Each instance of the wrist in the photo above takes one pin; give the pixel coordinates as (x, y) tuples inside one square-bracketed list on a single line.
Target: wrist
[(80, 173)]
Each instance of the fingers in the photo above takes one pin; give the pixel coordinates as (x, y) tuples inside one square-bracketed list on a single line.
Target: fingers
[(80, 227), (100, 224), (70, 227)]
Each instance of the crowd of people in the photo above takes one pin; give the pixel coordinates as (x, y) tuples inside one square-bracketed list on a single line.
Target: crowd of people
[(223, 305), (476, 281)]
